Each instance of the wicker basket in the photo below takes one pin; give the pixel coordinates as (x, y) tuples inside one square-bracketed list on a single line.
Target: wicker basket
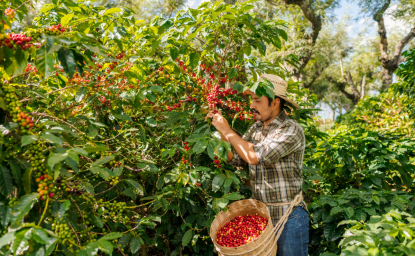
[(261, 246)]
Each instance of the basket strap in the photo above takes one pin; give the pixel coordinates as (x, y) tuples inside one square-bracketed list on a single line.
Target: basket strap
[(277, 204), (277, 230)]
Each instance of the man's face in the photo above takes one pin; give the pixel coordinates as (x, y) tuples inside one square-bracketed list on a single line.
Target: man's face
[(261, 109)]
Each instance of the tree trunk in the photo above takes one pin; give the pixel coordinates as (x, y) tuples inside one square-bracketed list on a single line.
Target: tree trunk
[(363, 87), (341, 85), (389, 63), (316, 21)]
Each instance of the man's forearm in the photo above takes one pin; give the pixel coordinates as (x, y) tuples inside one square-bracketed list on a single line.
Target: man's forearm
[(244, 148), (230, 153)]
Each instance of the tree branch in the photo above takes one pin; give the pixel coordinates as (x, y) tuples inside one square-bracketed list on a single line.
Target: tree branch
[(342, 87), (363, 87), (354, 88), (396, 59), (316, 22)]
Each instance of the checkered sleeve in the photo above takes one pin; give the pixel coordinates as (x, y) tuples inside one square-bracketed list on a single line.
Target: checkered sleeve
[(236, 160), (284, 142)]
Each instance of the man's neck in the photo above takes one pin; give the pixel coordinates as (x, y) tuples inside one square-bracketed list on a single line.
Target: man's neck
[(273, 116)]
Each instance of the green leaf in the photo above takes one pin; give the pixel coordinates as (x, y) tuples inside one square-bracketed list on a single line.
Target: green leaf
[(6, 181), (16, 172), (80, 94), (52, 138), (20, 61), (233, 73), (50, 246), (7, 239), (217, 182), (187, 237), (174, 53), (238, 86), (22, 207), (110, 11), (65, 19), (211, 149), (91, 248), (28, 139), (376, 199), (27, 179), (56, 158), (20, 240), (39, 235), (90, 149), (105, 173), (137, 188), (196, 137), (44, 58), (102, 161), (135, 244), (336, 210), (200, 146), (105, 246), (247, 50), (67, 59), (350, 212), (219, 203), (360, 214), (124, 240), (347, 222), (111, 236), (5, 215), (98, 221), (2, 104), (370, 211), (194, 60), (329, 230), (233, 196), (88, 187)]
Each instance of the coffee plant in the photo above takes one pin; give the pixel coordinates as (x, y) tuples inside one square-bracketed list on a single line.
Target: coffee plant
[(363, 174), (104, 148)]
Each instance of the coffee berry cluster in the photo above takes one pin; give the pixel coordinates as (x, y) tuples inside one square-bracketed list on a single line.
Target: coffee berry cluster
[(10, 146), (241, 230), (14, 107), (15, 41), (10, 13), (45, 187), (65, 234), (216, 161), (12, 201), (34, 153), (114, 211)]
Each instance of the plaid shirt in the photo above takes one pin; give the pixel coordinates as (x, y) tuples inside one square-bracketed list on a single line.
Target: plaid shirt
[(279, 148)]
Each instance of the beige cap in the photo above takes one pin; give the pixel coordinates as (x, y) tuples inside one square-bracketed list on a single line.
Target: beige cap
[(280, 87)]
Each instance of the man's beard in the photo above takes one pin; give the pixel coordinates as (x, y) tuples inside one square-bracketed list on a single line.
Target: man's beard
[(259, 119)]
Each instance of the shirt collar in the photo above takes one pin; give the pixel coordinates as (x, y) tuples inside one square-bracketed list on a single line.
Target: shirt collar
[(276, 121)]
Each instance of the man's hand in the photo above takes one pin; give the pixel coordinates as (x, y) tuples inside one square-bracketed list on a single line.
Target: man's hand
[(220, 123)]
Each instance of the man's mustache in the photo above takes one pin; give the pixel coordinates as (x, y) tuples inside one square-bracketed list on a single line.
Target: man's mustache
[(255, 111)]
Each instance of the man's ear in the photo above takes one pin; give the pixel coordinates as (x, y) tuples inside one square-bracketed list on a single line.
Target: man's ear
[(276, 104)]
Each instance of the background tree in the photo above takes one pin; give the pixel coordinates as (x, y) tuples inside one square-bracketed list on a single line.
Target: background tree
[(390, 57)]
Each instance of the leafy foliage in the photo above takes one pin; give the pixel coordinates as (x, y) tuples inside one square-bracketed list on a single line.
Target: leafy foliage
[(390, 233)]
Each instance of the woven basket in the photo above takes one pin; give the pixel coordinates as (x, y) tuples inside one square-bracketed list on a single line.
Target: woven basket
[(254, 248)]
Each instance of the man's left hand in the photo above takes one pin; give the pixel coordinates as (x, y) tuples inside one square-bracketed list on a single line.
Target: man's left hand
[(220, 123)]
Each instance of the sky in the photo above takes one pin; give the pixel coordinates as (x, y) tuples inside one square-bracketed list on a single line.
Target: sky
[(356, 25)]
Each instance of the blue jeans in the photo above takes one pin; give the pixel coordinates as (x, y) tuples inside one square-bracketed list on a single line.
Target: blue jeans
[(294, 238)]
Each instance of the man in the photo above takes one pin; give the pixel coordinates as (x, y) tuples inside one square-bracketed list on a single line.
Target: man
[(273, 148)]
